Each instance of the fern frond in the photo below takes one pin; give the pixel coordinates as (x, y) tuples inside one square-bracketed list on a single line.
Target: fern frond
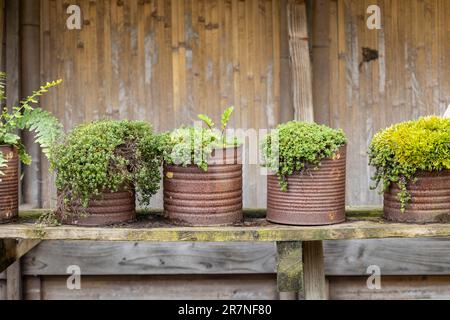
[(45, 125)]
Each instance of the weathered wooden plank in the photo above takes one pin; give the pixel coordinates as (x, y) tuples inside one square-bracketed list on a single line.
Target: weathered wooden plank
[(344, 257), (102, 258), (2, 289), (300, 60), (2, 31), (314, 271), (392, 288), (32, 288), (163, 287), (30, 80), (14, 281), (154, 229), (393, 256)]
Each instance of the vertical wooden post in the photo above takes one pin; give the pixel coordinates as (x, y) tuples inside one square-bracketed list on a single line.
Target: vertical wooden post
[(14, 281), (33, 288), (321, 64), (30, 70), (12, 52), (2, 33), (314, 271), (286, 105), (300, 60), (289, 270)]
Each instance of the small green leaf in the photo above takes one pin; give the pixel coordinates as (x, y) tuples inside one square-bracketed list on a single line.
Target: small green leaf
[(226, 117), (207, 120)]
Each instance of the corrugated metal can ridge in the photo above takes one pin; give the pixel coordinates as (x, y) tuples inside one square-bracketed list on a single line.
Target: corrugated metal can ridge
[(316, 197), (198, 198), (430, 199), (9, 186), (111, 208)]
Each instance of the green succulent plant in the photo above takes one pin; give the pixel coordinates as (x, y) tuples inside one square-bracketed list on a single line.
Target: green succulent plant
[(107, 155), (296, 146), (400, 151), (26, 116), (193, 145)]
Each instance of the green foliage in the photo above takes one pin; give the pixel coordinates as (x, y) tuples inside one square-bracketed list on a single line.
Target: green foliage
[(298, 146), (207, 120), (26, 116), (107, 155), (401, 150), (226, 117), (193, 145)]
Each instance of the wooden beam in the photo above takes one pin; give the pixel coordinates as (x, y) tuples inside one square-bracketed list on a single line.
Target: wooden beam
[(157, 229), (11, 250), (314, 271), (344, 257), (300, 60), (289, 269), (14, 281)]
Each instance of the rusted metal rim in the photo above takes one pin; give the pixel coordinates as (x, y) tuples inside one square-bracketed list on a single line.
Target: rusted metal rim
[(111, 208), (9, 186), (313, 198), (197, 198), (430, 199)]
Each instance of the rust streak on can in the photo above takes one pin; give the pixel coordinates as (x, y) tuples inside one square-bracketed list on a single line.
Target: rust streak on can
[(198, 198), (430, 199), (111, 208), (9, 186), (315, 197)]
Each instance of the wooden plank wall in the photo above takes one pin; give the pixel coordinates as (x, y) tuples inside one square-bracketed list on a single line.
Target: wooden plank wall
[(410, 78), (165, 61), (410, 268)]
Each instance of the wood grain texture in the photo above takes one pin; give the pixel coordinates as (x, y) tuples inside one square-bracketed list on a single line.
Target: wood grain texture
[(314, 271), (301, 70), (392, 288), (2, 32), (163, 287), (342, 258), (253, 230), (2, 289), (165, 61), (102, 258), (14, 281)]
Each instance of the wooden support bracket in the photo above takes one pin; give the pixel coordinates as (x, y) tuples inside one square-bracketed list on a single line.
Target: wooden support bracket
[(289, 269), (12, 250)]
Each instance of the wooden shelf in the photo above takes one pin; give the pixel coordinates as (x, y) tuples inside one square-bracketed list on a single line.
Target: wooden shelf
[(363, 224)]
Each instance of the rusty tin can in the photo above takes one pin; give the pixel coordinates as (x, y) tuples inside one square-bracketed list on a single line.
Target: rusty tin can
[(9, 185), (111, 208), (430, 199), (314, 197), (202, 198)]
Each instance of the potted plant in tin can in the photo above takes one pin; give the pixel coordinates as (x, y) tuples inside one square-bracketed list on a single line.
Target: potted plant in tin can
[(306, 180), (412, 163), (203, 175), (100, 168), (26, 116)]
